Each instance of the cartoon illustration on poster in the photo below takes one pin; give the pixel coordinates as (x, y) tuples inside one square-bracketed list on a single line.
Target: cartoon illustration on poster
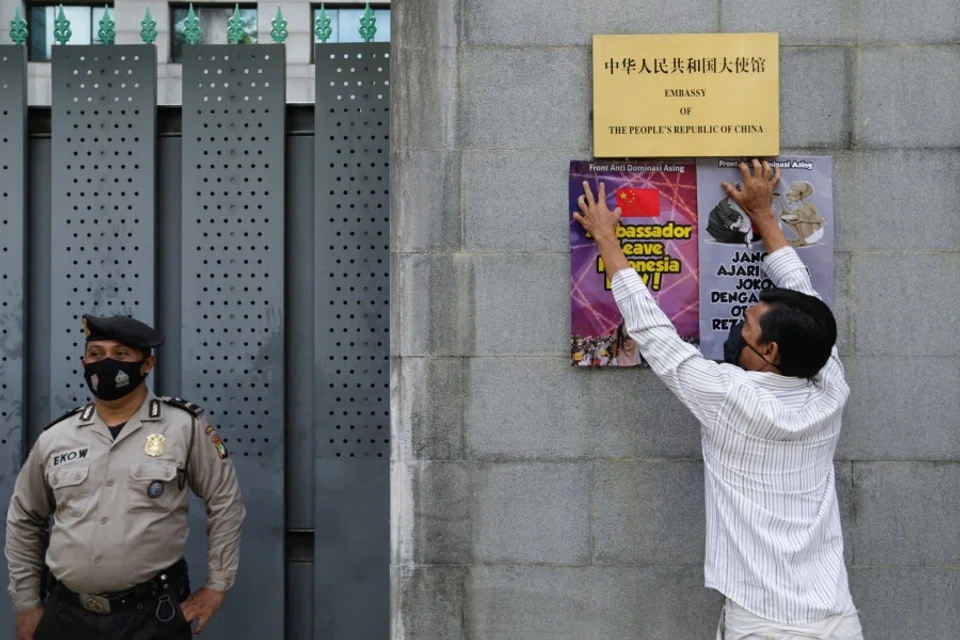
[(658, 233), (731, 252)]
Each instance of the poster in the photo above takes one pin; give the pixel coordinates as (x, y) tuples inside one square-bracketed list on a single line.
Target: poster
[(731, 253), (658, 232)]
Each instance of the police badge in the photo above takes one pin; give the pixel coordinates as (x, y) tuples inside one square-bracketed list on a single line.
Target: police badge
[(121, 380), (154, 445)]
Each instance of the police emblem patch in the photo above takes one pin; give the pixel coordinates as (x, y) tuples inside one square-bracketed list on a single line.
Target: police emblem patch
[(121, 380), (155, 490), (154, 445), (219, 446)]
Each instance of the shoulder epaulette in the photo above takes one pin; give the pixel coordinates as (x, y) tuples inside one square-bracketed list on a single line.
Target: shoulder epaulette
[(191, 408), (72, 412)]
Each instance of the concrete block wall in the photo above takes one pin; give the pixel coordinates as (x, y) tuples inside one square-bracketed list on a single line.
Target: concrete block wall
[(532, 501)]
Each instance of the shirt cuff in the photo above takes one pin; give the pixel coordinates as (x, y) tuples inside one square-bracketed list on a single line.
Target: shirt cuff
[(220, 580), (26, 599), (626, 283), (781, 262)]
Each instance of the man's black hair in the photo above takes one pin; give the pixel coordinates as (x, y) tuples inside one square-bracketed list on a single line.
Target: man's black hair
[(802, 326)]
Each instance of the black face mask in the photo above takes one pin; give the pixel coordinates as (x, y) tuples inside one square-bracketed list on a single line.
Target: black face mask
[(111, 379), (734, 345)]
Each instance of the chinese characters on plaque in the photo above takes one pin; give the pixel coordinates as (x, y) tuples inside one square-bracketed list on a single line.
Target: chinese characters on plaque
[(686, 96)]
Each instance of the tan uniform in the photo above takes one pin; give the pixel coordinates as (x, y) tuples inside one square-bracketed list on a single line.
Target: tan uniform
[(120, 506)]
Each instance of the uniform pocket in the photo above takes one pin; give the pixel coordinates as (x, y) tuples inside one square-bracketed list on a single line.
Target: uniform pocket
[(70, 488), (153, 482), (70, 476), (153, 470)]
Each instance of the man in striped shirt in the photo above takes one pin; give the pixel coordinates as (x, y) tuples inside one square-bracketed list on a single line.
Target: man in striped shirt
[(770, 420)]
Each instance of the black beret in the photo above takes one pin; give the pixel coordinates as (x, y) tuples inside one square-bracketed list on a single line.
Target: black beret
[(123, 329)]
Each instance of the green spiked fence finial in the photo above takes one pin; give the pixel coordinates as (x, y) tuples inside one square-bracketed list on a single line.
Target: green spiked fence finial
[(107, 33), (279, 31), (148, 30), (368, 25), (61, 28), (235, 30), (18, 28), (191, 27), (322, 28)]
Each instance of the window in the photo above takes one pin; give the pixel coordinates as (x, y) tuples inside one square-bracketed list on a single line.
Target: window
[(345, 22), (213, 25), (84, 23)]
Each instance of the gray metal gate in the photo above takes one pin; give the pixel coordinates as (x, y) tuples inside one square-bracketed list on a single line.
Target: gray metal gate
[(353, 371), (13, 220), (259, 246)]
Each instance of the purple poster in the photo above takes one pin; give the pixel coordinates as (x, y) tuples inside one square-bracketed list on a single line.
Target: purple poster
[(731, 253), (658, 233)]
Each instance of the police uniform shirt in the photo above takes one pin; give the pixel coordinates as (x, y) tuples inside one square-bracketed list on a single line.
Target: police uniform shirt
[(120, 505)]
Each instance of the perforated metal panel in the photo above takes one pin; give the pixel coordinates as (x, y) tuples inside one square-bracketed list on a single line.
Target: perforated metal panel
[(13, 207), (352, 444), (233, 302), (352, 243), (104, 150)]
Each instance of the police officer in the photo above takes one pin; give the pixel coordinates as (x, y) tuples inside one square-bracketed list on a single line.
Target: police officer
[(114, 475)]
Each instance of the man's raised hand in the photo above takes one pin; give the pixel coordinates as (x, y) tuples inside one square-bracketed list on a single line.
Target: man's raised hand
[(756, 196), (594, 216), (756, 199)]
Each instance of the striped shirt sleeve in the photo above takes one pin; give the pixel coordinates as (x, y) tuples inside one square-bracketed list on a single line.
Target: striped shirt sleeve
[(786, 271), (700, 384)]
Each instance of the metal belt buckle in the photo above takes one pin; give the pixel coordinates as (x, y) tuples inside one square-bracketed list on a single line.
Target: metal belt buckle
[(94, 604)]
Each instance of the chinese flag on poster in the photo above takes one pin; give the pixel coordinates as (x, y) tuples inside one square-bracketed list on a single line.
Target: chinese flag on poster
[(639, 203)]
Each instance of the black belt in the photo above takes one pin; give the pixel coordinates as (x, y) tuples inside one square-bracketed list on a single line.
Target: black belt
[(169, 586)]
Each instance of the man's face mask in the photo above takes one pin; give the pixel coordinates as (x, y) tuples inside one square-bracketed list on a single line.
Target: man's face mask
[(734, 345), (111, 379)]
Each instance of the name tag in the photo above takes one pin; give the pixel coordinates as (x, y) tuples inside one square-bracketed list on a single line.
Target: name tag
[(70, 456)]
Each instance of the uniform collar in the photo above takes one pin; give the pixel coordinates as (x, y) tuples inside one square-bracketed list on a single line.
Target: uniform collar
[(88, 416), (151, 410), (154, 408)]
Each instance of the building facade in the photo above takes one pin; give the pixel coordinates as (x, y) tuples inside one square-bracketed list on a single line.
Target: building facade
[(537, 502), (528, 500)]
